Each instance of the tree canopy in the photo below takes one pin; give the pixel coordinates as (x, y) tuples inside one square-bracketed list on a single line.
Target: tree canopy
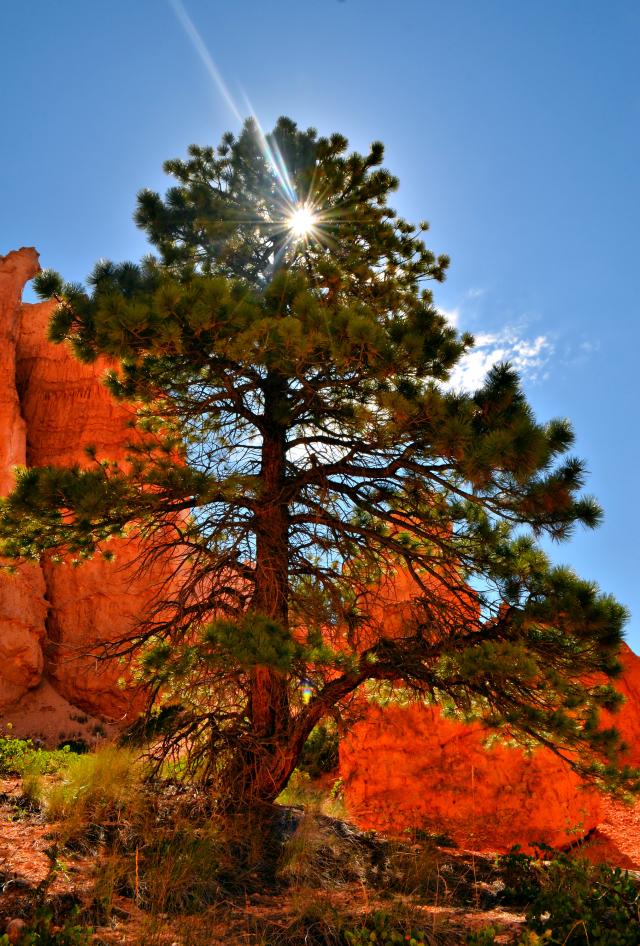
[(298, 447)]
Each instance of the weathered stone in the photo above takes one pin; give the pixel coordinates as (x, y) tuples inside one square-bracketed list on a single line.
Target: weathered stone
[(409, 767), (22, 604), (55, 619), (627, 719), (68, 409)]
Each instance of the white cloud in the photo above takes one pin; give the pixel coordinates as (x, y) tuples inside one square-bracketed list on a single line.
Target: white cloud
[(475, 293), (451, 315), (528, 356)]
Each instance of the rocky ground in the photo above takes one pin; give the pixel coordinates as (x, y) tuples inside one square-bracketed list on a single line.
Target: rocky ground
[(463, 890), (447, 892)]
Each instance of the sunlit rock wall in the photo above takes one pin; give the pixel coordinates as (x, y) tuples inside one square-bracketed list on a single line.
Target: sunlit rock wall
[(410, 767), (22, 604), (67, 408), (54, 618)]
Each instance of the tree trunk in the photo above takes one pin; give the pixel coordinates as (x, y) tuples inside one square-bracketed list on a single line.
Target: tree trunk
[(268, 762)]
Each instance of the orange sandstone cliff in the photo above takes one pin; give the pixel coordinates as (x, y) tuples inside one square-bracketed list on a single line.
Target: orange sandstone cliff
[(53, 618), (22, 596)]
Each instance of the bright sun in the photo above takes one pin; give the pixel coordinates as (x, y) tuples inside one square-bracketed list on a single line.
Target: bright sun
[(302, 221)]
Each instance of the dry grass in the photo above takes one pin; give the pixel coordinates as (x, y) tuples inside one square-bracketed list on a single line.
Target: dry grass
[(159, 867), (94, 793)]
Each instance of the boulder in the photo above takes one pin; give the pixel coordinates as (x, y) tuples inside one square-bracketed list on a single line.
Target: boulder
[(410, 767)]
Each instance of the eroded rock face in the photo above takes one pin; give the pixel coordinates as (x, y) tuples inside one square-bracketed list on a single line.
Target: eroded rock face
[(15, 269), (64, 403), (23, 610), (67, 409), (54, 618), (410, 767), (22, 604), (627, 719)]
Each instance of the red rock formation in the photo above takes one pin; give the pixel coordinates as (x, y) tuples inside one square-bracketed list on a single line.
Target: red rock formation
[(67, 408), (22, 604), (15, 270), (64, 403), (410, 767), (627, 719), (52, 408)]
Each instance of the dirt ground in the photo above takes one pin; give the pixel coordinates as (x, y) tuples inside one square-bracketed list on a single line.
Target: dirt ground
[(25, 838)]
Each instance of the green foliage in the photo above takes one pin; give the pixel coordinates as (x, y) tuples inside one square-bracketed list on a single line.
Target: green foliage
[(523, 874), (382, 928), (17, 756), (487, 937), (43, 931), (483, 937), (254, 641), (320, 753), (587, 905), (571, 901)]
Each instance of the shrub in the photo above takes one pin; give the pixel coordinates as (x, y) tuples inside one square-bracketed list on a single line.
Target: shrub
[(43, 932), (586, 905), (18, 756), (487, 937), (382, 928), (14, 755), (303, 792), (571, 901)]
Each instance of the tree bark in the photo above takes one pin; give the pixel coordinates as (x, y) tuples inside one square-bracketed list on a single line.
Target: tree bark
[(269, 761)]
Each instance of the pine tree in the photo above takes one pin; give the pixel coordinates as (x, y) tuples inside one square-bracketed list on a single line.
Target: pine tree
[(300, 446)]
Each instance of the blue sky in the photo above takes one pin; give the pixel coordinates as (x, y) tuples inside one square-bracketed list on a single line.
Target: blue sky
[(513, 126)]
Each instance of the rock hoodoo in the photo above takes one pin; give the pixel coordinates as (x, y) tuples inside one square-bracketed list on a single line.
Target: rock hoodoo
[(53, 618), (22, 596)]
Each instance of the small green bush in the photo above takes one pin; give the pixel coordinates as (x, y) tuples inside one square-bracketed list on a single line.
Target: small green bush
[(487, 937), (381, 928), (570, 901), (19, 755), (586, 905), (14, 755), (43, 932)]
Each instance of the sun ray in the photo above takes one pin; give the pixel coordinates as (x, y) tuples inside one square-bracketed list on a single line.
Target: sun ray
[(205, 56)]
